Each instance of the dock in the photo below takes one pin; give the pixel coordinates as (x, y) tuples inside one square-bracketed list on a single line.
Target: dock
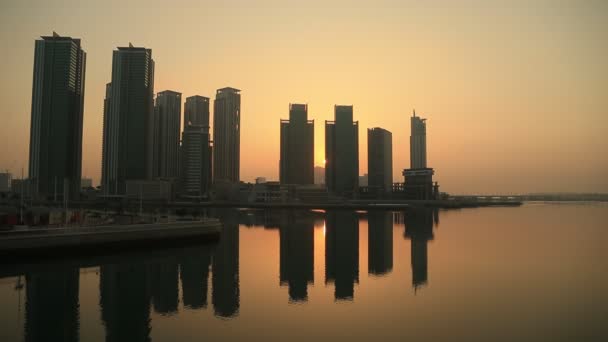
[(85, 240)]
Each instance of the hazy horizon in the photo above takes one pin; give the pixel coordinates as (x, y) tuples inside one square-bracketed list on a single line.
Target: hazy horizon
[(514, 92)]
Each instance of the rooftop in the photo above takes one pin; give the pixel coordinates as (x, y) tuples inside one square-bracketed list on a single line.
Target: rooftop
[(57, 37), (228, 90), (168, 92), (132, 48), (197, 97)]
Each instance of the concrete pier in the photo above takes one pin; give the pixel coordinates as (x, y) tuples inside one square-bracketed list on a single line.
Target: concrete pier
[(62, 241)]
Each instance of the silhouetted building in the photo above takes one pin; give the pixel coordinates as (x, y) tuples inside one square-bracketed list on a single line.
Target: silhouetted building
[(296, 165), (158, 189), (380, 159), (167, 116), (128, 125), (86, 183), (56, 119), (418, 179), (227, 135), (342, 252), (5, 181), (163, 284), (124, 299), (342, 152), (380, 242), (51, 305), (194, 275), (417, 142), (364, 180), (196, 111), (297, 253), (419, 229), (319, 175), (196, 159), (20, 187), (226, 291)]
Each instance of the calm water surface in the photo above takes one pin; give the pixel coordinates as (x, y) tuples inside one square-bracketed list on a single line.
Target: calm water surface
[(538, 272)]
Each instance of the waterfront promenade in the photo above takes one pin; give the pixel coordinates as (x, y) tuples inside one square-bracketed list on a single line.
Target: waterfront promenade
[(70, 240)]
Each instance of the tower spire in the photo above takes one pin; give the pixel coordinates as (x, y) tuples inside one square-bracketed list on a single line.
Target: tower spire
[(414, 112)]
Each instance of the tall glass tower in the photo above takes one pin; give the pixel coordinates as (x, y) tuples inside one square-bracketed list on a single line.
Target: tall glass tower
[(128, 132), (56, 124)]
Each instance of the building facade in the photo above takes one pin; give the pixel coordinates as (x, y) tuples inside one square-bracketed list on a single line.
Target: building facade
[(167, 116), (296, 165), (342, 152), (418, 179), (227, 135), (380, 159), (55, 155), (5, 181), (86, 183), (196, 111), (417, 142), (128, 132), (196, 156)]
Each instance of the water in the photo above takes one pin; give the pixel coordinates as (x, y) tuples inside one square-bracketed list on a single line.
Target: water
[(537, 272)]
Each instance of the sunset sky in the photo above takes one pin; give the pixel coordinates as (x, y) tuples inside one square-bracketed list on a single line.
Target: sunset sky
[(515, 92)]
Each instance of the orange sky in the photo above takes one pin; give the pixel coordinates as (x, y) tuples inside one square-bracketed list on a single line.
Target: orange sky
[(514, 93)]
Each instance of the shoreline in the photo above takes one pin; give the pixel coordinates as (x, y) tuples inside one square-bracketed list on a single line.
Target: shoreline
[(354, 205), (42, 242)]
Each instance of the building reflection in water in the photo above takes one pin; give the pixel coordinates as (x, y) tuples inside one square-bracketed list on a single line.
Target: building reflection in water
[(297, 253), (380, 242), (125, 300), (163, 284), (342, 252), (52, 306), (194, 275), (225, 292), (419, 230)]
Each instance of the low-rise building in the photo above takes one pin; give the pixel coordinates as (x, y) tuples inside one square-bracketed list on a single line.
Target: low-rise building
[(159, 189), (5, 182)]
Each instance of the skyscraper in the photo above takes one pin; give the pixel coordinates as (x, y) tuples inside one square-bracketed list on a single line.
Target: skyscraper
[(167, 116), (196, 111), (196, 154), (418, 179), (227, 135), (417, 142), (342, 152), (57, 111), (128, 132), (380, 159), (296, 165)]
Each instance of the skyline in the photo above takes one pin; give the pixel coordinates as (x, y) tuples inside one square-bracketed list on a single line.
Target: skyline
[(528, 116)]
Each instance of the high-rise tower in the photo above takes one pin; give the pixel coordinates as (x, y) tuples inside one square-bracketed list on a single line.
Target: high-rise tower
[(167, 116), (380, 159), (342, 152), (418, 179), (227, 135), (417, 142), (57, 111), (296, 165), (128, 132), (196, 154)]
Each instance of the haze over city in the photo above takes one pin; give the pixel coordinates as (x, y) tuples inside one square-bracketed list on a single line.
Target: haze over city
[(514, 93)]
